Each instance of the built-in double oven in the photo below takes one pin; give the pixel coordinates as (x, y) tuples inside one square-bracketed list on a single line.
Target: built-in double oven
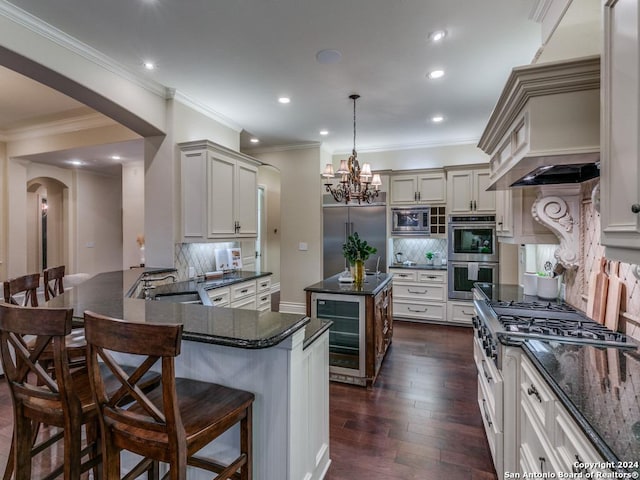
[(472, 253)]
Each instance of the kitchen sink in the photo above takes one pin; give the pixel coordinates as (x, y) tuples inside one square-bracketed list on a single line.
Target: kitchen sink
[(188, 297)]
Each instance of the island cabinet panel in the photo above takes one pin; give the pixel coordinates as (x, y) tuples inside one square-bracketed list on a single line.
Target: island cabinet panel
[(420, 294), (362, 327), (219, 193)]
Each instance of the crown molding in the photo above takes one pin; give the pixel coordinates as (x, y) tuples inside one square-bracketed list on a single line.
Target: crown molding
[(64, 40), (539, 10), (413, 146), (57, 127), (203, 109), (283, 148)]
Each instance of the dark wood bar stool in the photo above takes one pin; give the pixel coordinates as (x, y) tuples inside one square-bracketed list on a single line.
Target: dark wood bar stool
[(171, 423), (53, 283), (62, 400), (27, 285)]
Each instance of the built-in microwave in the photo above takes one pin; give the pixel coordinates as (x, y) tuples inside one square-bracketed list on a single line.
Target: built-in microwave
[(410, 220), (472, 238)]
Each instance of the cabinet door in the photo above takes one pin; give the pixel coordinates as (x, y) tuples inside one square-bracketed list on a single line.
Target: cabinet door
[(504, 214), (460, 191), (484, 200), (222, 181), (403, 189), (194, 189), (247, 200), (620, 167), (432, 188)]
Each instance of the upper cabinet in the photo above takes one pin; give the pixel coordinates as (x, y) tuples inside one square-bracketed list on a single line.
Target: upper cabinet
[(620, 166), (467, 191), (514, 222), (424, 188), (219, 193)]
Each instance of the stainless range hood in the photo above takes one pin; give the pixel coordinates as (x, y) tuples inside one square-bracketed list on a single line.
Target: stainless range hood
[(545, 128)]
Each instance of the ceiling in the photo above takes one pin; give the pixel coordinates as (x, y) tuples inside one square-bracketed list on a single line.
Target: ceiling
[(236, 58)]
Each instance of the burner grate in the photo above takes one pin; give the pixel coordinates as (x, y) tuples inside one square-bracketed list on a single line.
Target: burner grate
[(535, 305)]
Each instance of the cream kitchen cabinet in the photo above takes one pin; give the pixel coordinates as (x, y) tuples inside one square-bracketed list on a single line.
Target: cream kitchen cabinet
[(467, 191), (420, 295), (620, 123), (219, 193), (424, 188), (515, 223)]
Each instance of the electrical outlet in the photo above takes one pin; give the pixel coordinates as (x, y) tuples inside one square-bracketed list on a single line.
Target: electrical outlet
[(192, 272)]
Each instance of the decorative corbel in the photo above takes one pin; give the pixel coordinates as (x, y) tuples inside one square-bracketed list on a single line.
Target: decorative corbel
[(557, 207)]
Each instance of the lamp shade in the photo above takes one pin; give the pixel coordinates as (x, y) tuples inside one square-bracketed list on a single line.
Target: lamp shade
[(344, 169), (365, 172), (328, 171), (377, 181)]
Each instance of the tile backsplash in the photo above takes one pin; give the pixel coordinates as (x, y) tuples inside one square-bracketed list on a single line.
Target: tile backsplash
[(414, 249), (577, 282), (200, 256)]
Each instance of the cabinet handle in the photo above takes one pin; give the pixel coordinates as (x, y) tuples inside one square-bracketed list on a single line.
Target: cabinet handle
[(575, 468), (431, 276), (415, 196), (415, 291), (244, 290), (217, 299), (484, 371), (486, 413), (417, 311), (467, 313), (542, 463), (475, 205), (470, 204), (534, 391), (635, 208), (419, 195)]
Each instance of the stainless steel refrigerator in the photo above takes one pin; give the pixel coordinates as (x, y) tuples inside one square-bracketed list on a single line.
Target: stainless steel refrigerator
[(340, 221)]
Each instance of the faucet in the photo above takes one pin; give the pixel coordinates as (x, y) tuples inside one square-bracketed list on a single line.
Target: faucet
[(147, 287)]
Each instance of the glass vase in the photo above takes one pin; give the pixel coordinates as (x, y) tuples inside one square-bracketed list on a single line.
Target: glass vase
[(357, 272)]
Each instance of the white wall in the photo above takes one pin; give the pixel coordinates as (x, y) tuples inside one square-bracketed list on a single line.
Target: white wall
[(301, 222), (132, 211), (269, 177), (99, 227)]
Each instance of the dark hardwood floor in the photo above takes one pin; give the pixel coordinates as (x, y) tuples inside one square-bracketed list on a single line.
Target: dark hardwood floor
[(420, 421)]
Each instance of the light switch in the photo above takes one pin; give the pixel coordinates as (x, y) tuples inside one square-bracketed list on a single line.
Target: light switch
[(91, 244), (303, 247)]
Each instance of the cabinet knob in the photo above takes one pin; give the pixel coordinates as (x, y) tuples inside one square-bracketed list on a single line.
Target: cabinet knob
[(635, 208), (534, 391)]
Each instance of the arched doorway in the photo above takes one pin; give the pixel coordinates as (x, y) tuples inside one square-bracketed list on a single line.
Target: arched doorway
[(47, 217)]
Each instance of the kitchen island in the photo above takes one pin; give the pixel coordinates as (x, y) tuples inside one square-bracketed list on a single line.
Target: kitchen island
[(281, 358), (362, 327)]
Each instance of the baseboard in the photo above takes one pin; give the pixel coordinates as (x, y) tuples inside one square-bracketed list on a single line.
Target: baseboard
[(291, 307)]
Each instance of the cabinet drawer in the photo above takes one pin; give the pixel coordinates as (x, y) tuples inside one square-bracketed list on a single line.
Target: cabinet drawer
[(264, 284), (432, 276), (262, 300), (536, 450), (460, 312), (219, 297), (242, 290), (491, 380), (573, 447), (403, 275), (424, 311), (495, 436), (536, 393), (420, 292), (245, 303)]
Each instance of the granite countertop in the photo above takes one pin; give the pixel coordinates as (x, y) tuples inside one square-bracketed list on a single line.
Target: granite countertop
[(600, 388), (106, 293), (196, 285), (419, 266), (372, 285)]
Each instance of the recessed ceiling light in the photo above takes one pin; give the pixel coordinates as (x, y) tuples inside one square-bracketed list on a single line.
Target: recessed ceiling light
[(115, 157), (149, 65), (324, 132), (437, 118), (284, 100), (328, 56), (77, 163), (437, 36), (254, 140), (436, 74)]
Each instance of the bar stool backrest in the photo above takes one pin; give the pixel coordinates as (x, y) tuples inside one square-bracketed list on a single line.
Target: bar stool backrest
[(53, 284), (27, 285)]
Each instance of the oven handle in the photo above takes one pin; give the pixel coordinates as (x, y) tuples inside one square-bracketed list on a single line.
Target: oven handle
[(484, 371)]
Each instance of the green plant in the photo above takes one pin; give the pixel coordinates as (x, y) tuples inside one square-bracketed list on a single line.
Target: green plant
[(357, 249), (429, 255)]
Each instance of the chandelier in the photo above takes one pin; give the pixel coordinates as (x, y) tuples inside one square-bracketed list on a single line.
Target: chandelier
[(356, 183)]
